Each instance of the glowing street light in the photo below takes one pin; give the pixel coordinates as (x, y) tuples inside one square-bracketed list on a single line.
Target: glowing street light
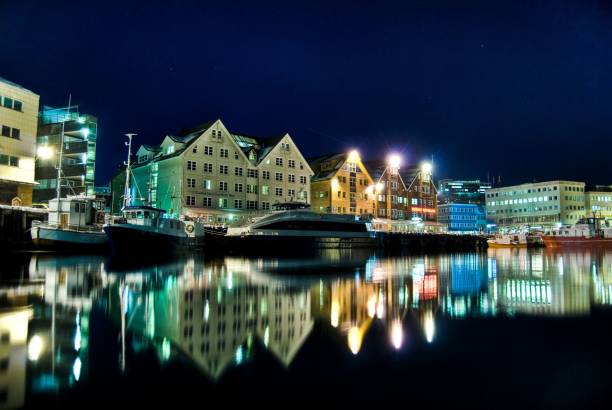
[(353, 155), (379, 187), (44, 152), (394, 161), (426, 168)]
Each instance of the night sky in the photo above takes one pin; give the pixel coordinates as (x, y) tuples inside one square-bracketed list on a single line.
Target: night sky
[(521, 91)]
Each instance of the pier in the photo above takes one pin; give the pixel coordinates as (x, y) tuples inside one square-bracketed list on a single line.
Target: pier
[(430, 242), (15, 224)]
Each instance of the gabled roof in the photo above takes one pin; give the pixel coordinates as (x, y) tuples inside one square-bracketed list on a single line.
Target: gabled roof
[(316, 164), (12, 84)]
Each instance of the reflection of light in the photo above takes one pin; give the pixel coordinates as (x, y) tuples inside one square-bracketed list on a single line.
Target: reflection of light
[(239, 355), (380, 309), (230, 280), (206, 311), (166, 349), (354, 339), (397, 334), (76, 369), (267, 336), (372, 306), (334, 183), (335, 313), (77, 339), (35, 347), (430, 327)]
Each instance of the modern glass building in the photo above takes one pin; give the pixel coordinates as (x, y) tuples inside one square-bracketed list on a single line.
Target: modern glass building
[(78, 152), (463, 191)]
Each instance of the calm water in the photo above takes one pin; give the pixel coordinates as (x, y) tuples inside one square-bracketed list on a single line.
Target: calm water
[(507, 328)]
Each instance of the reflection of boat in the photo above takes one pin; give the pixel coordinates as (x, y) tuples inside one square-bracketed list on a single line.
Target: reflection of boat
[(297, 228), (75, 221), (146, 228), (587, 231)]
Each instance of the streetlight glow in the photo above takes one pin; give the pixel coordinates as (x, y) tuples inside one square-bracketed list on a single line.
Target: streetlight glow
[(379, 187), (426, 168), (44, 152), (394, 161), (353, 155)]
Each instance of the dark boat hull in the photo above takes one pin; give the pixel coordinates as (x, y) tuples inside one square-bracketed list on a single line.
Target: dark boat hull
[(125, 239)]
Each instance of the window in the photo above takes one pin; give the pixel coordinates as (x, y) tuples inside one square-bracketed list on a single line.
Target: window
[(207, 167), (207, 184), (222, 202), (291, 193), (207, 203), (238, 187), (15, 133), (279, 176), (8, 102), (291, 178), (191, 182), (191, 165), (222, 186), (251, 189), (190, 200), (238, 203), (252, 173), (223, 169), (13, 161), (208, 150), (279, 191), (194, 149), (291, 163), (265, 206), (6, 131), (266, 175), (265, 190), (224, 153), (279, 161), (251, 204), (17, 105), (238, 171), (302, 179), (236, 155)]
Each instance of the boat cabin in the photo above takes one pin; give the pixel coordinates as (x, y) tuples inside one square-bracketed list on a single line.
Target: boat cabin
[(76, 211), (143, 215)]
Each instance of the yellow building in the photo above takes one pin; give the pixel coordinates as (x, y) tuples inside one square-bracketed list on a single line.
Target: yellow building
[(598, 202), (18, 127), (341, 185)]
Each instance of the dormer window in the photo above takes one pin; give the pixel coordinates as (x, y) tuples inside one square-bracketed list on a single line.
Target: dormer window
[(143, 158), (170, 150), (285, 146), (252, 156)]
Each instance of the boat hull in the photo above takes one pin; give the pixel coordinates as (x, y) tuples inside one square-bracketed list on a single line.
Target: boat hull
[(495, 245), (127, 239), (575, 241), (67, 240)]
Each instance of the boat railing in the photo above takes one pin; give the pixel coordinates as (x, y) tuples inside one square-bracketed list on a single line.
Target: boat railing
[(68, 227)]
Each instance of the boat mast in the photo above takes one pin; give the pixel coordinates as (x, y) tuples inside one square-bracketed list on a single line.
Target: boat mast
[(127, 197), (58, 182)]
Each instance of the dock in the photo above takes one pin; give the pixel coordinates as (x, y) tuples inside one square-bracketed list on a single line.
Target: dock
[(15, 224), (430, 242)]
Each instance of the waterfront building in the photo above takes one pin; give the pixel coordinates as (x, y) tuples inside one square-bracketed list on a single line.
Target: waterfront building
[(392, 196), (216, 175), (598, 201), (422, 204), (341, 184), (464, 218), (538, 205), (78, 152), (463, 191), (18, 127)]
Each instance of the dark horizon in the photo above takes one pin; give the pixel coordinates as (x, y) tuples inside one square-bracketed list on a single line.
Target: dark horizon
[(519, 90)]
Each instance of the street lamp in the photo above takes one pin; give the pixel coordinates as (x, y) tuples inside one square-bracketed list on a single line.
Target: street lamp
[(394, 161), (44, 152), (426, 167)]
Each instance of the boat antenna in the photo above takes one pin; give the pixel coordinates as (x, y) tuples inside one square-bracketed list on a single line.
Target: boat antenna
[(58, 183), (127, 197)]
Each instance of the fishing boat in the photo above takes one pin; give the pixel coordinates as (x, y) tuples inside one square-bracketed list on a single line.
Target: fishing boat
[(596, 232), (293, 227), (73, 222), (148, 229), (515, 240)]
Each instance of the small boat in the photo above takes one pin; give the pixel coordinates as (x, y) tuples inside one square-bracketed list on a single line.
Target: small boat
[(293, 227), (596, 232), (74, 222), (147, 229), (514, 240)]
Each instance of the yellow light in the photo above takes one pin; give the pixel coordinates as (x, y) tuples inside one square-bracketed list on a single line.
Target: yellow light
[(353, 156), (334, 183), (35, 348), (379, 187), (354, 339), (426, 168), (372, 306), (394, 161), (335, 313), (44, 152)]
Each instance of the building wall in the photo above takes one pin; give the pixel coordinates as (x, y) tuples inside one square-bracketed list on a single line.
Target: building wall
[(543, 204), (463, 191), (599, 203), (422, 199), (462, 217), (22, 148)]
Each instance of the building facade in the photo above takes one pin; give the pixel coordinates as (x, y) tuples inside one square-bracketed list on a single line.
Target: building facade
[(18, 128), (341, 184), (463, 191), (78, 152), (218, 176), (598, 201), (536, 205), (465, 218), (422, 202), (392, 195)]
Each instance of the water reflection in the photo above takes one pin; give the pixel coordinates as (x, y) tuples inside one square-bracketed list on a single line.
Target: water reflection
[(222, 313)]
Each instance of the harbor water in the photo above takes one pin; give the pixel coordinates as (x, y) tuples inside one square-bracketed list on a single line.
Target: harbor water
[(511, 328)]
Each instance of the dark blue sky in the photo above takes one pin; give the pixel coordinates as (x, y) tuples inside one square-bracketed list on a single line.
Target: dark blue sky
[(521, 90)]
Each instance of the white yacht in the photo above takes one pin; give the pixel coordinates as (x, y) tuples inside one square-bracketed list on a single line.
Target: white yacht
[(294, 227), (73, 222)]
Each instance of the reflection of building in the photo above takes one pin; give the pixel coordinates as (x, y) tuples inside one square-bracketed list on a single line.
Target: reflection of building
[(341, 184), (18, 124), (220, 176), (78, 153), (13, 340)]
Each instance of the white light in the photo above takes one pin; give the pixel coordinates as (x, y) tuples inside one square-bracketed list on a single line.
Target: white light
[(353, 156), (76, 369), (354, 339), (35, 348), (44, 152), (77, 339), (397, 334), (430, 328), (85, 132), (426, 168), (81, 120), (394, 161), (379, 187)]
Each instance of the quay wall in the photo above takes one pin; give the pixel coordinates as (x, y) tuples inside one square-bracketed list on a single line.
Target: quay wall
[(430, 242), (15, 224)]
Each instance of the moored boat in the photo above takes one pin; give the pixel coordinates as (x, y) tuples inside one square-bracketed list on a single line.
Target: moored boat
[(594, 232)]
